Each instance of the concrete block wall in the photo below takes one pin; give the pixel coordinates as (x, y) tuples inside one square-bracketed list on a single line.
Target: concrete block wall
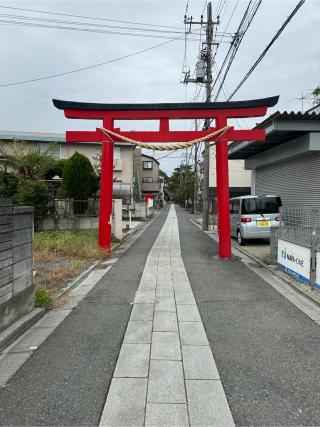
[(116, 220), (274, 236), (69, 223), (16, 262), (142, 211)]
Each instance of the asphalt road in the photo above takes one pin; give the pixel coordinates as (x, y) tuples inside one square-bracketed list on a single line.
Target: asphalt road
[(66, 380), (266, 349)]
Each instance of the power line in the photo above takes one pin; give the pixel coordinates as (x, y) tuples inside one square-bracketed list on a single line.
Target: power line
[(283, 26), (87, 17), (231, 54), (90, 24), (90, 30), (231, 16), (90, 66)]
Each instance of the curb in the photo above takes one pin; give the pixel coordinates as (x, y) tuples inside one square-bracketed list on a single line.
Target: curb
[(20, 326), (76, 281)]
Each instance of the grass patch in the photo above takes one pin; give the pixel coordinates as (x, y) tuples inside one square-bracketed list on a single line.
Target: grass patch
[(60, 256), (53, 280), (68, 244)]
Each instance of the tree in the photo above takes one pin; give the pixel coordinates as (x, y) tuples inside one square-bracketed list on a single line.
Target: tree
[(8, 184), (33, 193), (316, 94), (163, 174), (56, 169), (25, 184), (181, 183), (79, 180), (28, 163)]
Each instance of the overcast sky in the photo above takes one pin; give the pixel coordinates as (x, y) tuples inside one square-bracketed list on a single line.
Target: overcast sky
[(291, 67)]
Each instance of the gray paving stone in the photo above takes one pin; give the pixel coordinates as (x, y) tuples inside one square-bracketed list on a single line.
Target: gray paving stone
[(182, 286), (188, 313), (142, 312), (165, 345), (149, 272), (164, 291), (138, 332), (166, 383), (184, 297), (192, 333), (170, 415), (175, 253), (180, 277), (133, 361), (165, 304), (164, 280), (125, 405), (198, 363), (147, 286), (165, 321), (207, 403), (147, 297)]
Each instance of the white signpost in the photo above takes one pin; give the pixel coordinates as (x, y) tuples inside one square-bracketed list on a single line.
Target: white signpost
[(295, 260)]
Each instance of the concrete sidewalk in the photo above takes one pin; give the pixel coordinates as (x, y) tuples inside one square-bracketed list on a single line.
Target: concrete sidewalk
[(171, 335), (165, 373)]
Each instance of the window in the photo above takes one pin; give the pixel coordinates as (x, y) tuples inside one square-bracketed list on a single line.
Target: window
[(261, 205), (116, 154), (147, 165), (234, 206), (148, 179), (52, 149)]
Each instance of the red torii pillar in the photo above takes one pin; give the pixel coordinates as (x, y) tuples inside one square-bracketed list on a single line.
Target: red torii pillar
[(220, 111)]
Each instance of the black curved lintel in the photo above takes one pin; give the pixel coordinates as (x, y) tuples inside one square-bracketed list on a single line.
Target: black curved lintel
[(72, 105)]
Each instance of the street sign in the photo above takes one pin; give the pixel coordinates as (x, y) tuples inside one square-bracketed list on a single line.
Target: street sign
[(294, 260)]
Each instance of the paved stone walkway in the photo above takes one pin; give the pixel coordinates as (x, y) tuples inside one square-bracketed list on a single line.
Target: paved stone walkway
[(166, 374)]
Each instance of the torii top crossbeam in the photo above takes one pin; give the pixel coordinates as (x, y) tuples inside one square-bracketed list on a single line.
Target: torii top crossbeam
[(164, 112), (220, 112)]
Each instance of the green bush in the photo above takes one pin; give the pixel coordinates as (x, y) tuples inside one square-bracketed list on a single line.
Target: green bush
[(78, 177), (79, 180), (33, 193), (8, 184), (55, 169), (43, 299)]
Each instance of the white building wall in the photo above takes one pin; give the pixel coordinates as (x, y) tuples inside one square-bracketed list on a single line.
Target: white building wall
[(238, 176)]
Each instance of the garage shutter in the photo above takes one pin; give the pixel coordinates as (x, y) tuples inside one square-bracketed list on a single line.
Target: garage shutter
[(297, 181)]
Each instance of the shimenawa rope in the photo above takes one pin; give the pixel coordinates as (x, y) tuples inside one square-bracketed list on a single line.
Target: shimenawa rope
[(166, 146)]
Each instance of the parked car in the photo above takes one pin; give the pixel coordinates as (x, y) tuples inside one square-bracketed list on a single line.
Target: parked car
[(252, 216)]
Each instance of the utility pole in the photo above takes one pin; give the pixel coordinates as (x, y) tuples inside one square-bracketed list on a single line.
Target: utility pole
[(205, 194), (195, 184), (204, 75)]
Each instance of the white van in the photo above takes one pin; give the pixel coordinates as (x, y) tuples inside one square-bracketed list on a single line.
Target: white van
[(252, 216)]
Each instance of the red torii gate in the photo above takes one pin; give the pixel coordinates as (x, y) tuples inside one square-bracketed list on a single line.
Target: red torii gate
[(219, 111)]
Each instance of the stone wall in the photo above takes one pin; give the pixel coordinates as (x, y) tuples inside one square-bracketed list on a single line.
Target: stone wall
[(16, 262)]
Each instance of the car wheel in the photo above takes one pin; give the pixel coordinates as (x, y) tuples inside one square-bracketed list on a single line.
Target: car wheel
[(241, 241)]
